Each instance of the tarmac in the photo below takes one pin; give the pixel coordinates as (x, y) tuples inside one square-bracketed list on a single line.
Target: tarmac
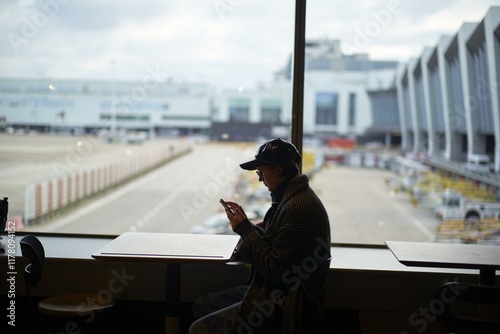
[(28, 159), (361, 208)]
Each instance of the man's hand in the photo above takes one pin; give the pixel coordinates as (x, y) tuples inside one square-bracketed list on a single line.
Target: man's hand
[(238, 216)]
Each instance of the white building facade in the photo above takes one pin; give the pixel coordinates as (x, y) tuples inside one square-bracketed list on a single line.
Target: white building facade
[(336, 101), (449, 97), (88, 106)]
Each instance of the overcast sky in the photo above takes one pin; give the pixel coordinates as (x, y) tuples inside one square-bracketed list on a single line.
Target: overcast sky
[(226, 42)]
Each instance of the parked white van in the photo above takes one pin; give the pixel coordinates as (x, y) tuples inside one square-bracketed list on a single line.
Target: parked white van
[(478, 163)]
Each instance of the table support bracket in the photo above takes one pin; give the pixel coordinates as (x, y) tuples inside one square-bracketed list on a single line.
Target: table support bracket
[(487, 276), (172, 297)]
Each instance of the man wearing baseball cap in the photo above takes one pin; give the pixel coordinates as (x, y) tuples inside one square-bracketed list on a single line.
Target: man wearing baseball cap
[(289, 254)]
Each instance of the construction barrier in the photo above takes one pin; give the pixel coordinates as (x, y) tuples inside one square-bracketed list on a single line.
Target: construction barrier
[(51, 196)]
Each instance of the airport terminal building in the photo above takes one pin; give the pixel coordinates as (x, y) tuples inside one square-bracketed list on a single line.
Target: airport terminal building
[(448, 97), (74, 106), (336, 102)]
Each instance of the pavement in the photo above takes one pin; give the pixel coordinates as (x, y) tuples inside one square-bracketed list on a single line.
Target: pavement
[(362, 209), (28, 159)]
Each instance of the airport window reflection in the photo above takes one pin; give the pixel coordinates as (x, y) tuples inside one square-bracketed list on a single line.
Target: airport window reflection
[(140, 126)]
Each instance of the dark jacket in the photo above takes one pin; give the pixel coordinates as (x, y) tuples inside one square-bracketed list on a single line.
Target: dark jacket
[(284, 296)]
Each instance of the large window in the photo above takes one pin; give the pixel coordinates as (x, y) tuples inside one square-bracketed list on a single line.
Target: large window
[(270, 110), (133, 116), (239, 110), (326, 108), (352, 109)]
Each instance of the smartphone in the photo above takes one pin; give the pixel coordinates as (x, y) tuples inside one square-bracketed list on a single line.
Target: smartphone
[(225, 206)]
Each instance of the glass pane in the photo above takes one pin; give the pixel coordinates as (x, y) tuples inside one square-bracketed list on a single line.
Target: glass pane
[(375, 110), (125, 117), (112, 114)]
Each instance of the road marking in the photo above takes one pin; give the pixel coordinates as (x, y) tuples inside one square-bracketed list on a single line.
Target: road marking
[(105, 200)]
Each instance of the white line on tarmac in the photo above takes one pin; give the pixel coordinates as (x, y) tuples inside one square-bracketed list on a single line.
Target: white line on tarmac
[(101, 202), (416, 222)]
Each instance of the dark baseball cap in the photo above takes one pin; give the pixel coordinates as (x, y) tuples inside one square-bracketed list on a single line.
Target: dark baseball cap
[(274, 152)]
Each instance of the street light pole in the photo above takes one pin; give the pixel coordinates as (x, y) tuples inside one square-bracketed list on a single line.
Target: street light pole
[(113, 101)]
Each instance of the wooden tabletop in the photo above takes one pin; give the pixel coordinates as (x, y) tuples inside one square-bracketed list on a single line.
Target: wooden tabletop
[(168, 247), (446, 255)]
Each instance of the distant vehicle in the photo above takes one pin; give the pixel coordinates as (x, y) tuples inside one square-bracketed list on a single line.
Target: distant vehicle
[(219, 224), (256, 212), (384, 161), (478, 163), (373, 145), (456, 206), (257, 195), (369, 160), (133, 138), (355, 159), (216, 224)]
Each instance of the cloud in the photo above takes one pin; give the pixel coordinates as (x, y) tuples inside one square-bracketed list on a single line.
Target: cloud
[(227, 42)]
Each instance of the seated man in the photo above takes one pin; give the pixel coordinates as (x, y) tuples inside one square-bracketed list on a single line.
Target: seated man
[(285, 288)]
